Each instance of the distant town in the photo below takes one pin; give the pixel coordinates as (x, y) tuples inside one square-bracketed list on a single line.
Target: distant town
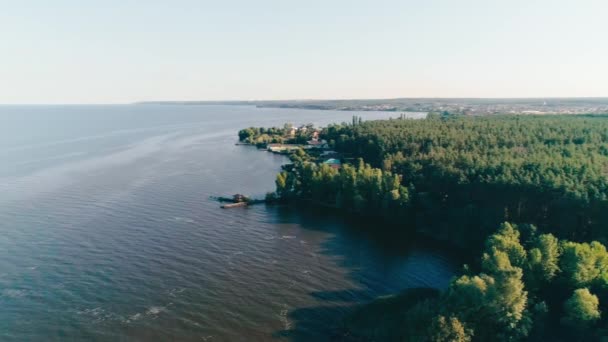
[(451, 105)]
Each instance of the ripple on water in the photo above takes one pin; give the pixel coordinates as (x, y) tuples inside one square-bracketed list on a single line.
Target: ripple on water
[(14, 293), (124, 243), (155, 310)]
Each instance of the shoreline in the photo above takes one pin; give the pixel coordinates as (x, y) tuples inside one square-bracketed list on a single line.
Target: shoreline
[(299, 203)]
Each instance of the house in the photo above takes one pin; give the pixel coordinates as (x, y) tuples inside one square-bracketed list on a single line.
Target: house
[(334, 163)]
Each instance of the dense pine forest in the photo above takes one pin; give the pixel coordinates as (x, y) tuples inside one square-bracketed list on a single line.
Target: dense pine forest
[(543, 276), (463, 176)]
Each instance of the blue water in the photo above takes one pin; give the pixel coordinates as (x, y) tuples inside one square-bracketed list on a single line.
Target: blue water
[(107, 232)]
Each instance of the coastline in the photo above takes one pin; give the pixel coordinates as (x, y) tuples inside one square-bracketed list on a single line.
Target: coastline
[(484, 199), (379, 219)]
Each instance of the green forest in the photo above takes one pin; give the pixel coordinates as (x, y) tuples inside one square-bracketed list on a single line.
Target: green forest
[(472, 173), (543, 276)]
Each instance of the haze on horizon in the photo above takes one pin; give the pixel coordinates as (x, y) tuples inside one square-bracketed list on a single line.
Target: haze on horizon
[(127, 51)]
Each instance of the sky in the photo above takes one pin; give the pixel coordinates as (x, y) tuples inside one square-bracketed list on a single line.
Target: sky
[(123, 51)]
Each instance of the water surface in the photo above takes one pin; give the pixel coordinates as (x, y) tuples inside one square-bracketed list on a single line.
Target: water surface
[(107, 232)]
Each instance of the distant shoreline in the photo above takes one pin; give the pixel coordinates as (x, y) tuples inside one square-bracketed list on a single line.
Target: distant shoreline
[(466, 106)]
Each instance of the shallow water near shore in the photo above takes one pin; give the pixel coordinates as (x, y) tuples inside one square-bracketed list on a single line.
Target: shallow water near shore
[(107, 232)]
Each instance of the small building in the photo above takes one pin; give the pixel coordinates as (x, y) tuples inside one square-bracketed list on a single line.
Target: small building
[(334, 163)]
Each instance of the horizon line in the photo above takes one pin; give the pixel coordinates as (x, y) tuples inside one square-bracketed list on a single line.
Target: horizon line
[(305, 100)]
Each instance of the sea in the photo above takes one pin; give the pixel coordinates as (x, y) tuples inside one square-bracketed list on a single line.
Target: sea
[(109, 232)]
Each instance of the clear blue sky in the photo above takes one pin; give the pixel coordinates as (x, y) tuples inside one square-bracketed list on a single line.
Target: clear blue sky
[(117, 51)]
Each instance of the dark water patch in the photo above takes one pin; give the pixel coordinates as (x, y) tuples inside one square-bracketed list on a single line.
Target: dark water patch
[(376, 261)]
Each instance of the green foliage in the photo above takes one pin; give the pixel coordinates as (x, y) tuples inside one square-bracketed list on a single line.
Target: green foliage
[(543, 261), (502, 303), (450, 329), (547, 170), (507, 240), (457, 178), (360, 189), (495, 305), (540, 262), (261, 136), (584, 264), (581, 310), (281, 183)]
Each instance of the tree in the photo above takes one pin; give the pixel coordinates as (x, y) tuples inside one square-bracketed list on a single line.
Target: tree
[(547, 170), (450, 329), (581, 310), (493, 307), (548, 245), (543, 261), (494, 303), (246, 133), (583, 263), (507, 240), (474, 173), (281, 183)]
